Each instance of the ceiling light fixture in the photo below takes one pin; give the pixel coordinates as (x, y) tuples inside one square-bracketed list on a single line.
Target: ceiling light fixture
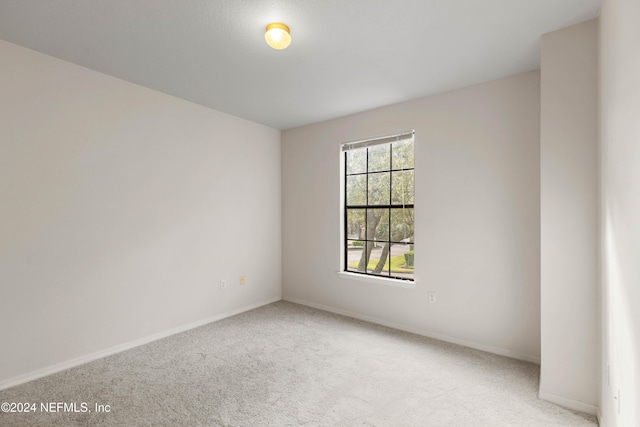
[(278, 35)]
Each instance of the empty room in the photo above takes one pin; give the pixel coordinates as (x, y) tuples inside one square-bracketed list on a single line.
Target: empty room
[(330, 213)]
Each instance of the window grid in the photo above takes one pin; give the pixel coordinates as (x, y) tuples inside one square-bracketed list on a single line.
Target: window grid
[(367, 207)]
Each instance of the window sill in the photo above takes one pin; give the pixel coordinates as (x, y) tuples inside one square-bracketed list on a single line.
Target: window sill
[(377, 280)]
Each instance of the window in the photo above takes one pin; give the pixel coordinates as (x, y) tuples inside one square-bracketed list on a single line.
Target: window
[(378, 206)]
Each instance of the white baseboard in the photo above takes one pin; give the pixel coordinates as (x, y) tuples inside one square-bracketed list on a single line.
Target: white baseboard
[(418, 331), (570, 403), (601, 422), (40, 373)]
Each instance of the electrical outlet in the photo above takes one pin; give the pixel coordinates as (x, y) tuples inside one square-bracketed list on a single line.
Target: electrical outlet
[(242, 281), (432, 297), (223, 284)]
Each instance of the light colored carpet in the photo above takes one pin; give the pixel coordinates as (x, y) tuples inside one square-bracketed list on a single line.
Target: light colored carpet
[(289, 365)]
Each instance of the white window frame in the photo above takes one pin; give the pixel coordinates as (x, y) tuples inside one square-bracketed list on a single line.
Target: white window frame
[(362, 277)]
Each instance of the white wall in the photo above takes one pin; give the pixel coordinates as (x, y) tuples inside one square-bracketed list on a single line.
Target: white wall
[(477, 216), (569, 216), (620, 166), (121, 208)]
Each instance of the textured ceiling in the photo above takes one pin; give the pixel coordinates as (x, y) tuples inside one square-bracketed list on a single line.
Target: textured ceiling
[(346, 56)]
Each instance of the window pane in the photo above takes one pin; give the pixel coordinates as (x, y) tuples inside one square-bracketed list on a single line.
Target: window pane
[(402, 225), (402, 154), (378, 218), (354, 255), (356, 224), (379, 158), (356, 161), (402, 261), (356, 190), (379, 259), (379, 188), (402, 187)]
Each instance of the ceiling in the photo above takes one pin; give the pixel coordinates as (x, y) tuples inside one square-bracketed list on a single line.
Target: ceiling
[(346, 55)]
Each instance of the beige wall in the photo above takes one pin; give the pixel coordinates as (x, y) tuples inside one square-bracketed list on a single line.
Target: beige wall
[(477, 217), (620, 165), (569, 216), (121, 208)]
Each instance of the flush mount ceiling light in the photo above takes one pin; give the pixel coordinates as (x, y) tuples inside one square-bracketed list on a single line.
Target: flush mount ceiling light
[(278, 35)]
